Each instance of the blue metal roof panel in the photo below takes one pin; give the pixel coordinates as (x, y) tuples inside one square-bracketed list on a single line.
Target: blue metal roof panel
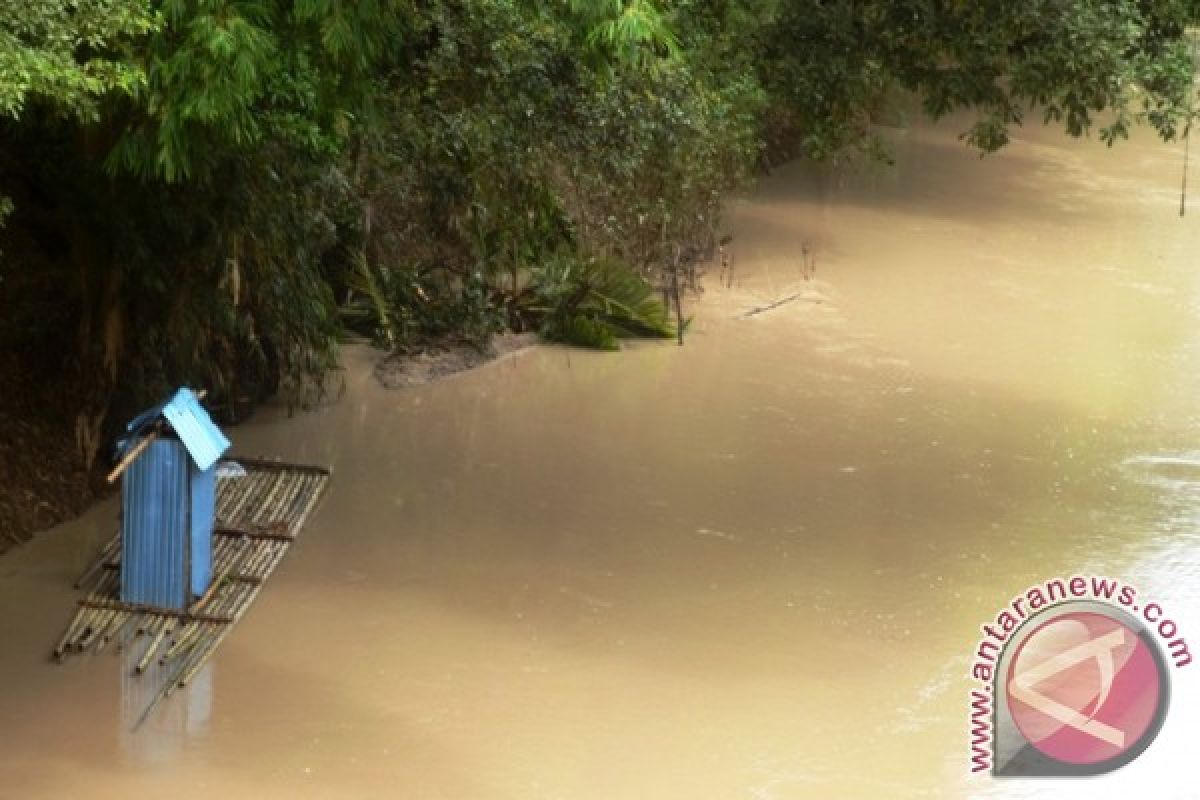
[(203, 440)]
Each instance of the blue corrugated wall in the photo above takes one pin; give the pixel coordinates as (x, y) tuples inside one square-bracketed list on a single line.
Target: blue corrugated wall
[(156, 517), (204, 509)]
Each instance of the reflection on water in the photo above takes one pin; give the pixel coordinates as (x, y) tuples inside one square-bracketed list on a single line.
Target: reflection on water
[(751, 567), (158, 738)]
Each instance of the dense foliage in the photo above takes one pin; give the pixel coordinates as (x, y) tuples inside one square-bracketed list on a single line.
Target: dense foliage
[(211, 190)]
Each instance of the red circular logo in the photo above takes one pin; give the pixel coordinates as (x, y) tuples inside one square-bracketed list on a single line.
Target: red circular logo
[(1084, 688)]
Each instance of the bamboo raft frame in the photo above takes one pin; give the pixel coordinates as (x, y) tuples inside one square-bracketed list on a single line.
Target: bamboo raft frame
[(258, 517)]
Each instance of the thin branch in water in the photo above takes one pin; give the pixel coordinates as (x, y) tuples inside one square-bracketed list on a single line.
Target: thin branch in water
[(675, 292), (1187, 133), (771, 306)]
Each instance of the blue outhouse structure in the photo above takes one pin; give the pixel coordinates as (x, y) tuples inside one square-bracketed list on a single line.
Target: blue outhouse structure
[(168, 496)]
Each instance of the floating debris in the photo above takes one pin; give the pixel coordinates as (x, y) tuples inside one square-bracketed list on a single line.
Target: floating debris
[(230, 469)]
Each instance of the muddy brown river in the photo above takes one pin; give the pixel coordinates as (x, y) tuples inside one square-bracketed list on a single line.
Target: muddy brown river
[(752, 567)]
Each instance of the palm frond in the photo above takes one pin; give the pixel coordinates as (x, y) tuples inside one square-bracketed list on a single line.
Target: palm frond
[(593, 303), (381, 311)]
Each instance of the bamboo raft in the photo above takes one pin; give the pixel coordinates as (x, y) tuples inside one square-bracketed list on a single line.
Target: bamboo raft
[(258, 517)]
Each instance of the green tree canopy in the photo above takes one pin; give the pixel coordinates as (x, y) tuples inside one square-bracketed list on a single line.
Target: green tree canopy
[(69, 54), (200, 184)]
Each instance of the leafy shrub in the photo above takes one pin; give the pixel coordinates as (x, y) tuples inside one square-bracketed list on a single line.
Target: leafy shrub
[(595, 302)]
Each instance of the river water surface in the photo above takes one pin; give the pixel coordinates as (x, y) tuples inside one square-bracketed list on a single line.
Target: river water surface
[(752, 567)]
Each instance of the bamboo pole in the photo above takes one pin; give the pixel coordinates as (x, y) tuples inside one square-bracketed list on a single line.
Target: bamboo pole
[(131, 456), (274, 509), (312, 489), (240, 494), (220, 552), (254, 481), (198, 652), (83, 624), (69, 635), (286, 501), (128, 631), (197, 663), (304, 484), (258, 567), (100, 620), (250, 486), (259, 515), (148, 656), (237, 499), (300, 483), (316, 497), (150, 623), (110, 629), (276, 464), (182, 641), (108, 586), (216, 584), (105, 553), (262, 485)]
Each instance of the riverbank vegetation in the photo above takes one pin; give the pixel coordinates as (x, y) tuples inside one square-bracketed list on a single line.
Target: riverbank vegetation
[(213, 191)]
